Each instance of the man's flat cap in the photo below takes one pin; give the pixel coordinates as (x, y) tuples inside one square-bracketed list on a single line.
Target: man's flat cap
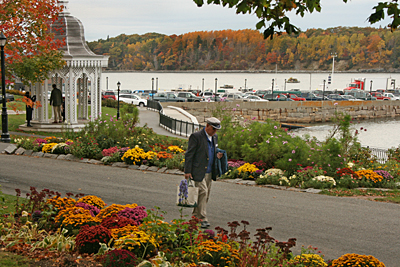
[(214, 122)]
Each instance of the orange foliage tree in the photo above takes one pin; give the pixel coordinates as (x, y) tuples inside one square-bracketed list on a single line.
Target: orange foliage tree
[(31, 51)]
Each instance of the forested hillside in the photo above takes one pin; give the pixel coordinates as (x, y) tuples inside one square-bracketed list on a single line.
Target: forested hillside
[(356, 49)]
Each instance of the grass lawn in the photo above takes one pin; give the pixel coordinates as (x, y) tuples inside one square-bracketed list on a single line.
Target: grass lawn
[(14, 121), (10, 260)]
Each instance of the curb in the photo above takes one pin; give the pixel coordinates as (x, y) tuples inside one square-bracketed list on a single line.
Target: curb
[(14, 150)]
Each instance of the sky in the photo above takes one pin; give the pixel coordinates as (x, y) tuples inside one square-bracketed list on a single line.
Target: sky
[(102, 18)]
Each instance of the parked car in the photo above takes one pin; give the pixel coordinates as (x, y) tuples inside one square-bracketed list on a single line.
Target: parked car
[(391, 96), (296, 97), (261, 93), (277, 97), (232, 96), (379, 96), (133, 99), (190, 97), (335, 97), (254, 98), (311, 97), (168, 97), (144, 95), (108, 94), (350, 98), (9, 97)]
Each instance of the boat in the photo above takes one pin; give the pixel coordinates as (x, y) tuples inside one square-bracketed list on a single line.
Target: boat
[(292, 126), (226, 86), (293, 80)]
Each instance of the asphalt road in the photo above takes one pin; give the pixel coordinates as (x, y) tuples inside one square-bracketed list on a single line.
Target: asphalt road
[(334, 225)]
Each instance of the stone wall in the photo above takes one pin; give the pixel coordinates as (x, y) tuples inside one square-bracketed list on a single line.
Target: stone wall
[(295, 111)]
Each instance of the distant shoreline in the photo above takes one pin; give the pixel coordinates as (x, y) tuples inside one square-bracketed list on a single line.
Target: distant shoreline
[(247, 71)]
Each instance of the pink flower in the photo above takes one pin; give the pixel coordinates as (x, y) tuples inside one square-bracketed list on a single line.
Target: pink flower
[(290, 159), (293, 151), (275, 127), (339, 156)]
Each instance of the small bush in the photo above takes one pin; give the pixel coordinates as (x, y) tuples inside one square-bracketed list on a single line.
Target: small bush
[(117, 222), (357, 260), (89, 238), (118, 258)]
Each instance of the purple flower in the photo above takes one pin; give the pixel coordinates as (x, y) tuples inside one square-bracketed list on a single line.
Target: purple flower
[(137, 214), (93, 209)]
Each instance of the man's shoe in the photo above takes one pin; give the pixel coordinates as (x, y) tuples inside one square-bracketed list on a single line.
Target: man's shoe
[(205, 224)]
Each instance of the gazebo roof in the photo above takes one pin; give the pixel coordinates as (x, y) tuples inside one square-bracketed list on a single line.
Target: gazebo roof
[(71, 30)]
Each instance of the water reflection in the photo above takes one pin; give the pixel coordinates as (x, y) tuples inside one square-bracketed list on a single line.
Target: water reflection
[(382, 133)]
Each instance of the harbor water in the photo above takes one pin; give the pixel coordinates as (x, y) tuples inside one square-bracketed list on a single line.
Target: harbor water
[(382, 133)]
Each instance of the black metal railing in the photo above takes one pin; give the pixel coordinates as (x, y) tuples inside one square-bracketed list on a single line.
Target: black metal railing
[(155, 105), (179, 127)]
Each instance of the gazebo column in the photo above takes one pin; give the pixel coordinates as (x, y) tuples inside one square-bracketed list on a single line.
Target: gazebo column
[(85, 97), (40, 90)]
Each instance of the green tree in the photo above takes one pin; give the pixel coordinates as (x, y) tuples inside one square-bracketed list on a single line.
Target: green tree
[(274, 12)]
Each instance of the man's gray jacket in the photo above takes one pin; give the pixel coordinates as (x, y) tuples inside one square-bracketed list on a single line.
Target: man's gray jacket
[(196, 157)]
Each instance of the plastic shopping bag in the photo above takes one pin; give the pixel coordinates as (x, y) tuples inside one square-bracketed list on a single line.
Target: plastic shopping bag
[(187, 194)]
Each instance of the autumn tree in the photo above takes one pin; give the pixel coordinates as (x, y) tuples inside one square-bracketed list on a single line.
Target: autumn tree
[(31, 51)]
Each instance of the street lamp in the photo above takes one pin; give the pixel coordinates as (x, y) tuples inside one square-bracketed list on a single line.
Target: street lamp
[(5, 136), (118, 84), (202, 86), (245, 84), (333, 55), (273, 81), (155, 91), (323, 92), (215, 94), (152, 88)]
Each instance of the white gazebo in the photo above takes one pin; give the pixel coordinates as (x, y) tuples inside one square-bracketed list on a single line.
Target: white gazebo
[(79, 80)]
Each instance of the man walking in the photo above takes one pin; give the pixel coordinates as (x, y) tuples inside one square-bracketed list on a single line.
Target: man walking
[(200, 165), (56, 101)]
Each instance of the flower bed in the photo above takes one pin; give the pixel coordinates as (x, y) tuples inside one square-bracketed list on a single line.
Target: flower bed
[(145, 238)]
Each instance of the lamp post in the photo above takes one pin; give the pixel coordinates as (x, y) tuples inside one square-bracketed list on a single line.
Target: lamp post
[(323, 92), (333, 55), (215, 94), (155, 91), (245, 84), (152, 88), (5, 136), (273, 81), (106, 83), (285, 84), (370, 90), (202, 86), (118, 84)]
